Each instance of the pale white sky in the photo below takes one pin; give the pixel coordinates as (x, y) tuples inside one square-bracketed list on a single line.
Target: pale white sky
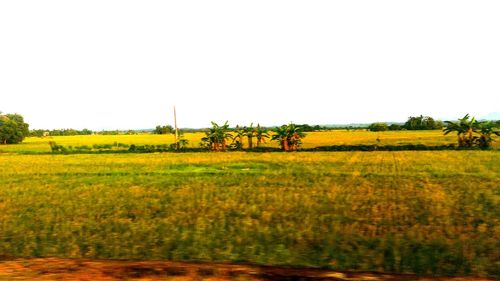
[(124, 64)]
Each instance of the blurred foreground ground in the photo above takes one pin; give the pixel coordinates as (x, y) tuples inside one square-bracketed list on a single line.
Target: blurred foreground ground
[(79, 269)]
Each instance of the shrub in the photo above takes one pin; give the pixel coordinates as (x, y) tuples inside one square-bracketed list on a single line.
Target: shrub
[(377, 127)]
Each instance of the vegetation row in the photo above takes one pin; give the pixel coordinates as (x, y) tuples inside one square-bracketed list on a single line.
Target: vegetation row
[(132, 148), (471, 135)]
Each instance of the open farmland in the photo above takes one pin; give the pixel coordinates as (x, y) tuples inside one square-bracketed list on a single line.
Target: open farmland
[(423, 212), (313, 139)]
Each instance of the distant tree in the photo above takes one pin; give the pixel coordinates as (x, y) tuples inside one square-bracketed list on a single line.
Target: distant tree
[(112, 132), (158, 130), (37, 133), (422, 123), (306, 128), (13, 129), (289, 136), (309, 128), (59, 132), (438, 125), (377, 127), (163, 130), (86, 132), (394, 127)]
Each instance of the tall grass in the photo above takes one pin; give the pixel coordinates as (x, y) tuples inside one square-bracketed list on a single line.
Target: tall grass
[(424, 212)]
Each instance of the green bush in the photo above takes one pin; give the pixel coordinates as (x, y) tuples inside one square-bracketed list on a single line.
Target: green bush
[(377, 127)]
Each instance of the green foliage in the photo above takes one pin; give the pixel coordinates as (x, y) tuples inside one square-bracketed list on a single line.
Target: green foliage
[(395, 127), (261, 134), (486, 130), (288, 136), (249, 132), (216, 138), (378, 127), (118, 132), (472, 133), (163, 130), (55, 148), (422, 123), (118, 148), (59, 132), (237, 138), (13, 129), (181, 144), (309, 128)]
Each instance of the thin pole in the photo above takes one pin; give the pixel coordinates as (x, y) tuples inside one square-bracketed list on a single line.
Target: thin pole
[(176, 130)]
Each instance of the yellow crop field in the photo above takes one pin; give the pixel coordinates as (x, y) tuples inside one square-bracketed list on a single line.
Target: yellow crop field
[(433, 212), (312, 139)]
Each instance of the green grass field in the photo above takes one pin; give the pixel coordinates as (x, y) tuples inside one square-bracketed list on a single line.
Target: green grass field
[(414, 211)]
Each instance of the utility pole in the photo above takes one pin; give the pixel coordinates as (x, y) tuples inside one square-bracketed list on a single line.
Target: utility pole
[(176, 131)]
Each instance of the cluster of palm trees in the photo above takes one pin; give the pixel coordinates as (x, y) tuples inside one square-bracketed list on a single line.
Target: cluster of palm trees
[(289, 136), (222, 137), (217, 137), (472, 133)]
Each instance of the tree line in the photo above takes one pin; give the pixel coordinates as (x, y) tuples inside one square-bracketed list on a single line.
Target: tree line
[(83, 132), (470, 132), (59, 132), (413, 123)]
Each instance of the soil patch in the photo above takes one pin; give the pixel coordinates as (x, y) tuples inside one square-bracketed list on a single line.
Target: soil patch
[(92, 270)]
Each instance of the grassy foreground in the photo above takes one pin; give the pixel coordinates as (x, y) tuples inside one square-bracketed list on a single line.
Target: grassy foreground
[(423, 212)]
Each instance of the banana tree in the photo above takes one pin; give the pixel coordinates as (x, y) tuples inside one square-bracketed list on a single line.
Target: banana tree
[(250, 134), (239, 134), (181, 143), (486, 129), (465, 130), (216, 137), (261, 135), (289, 136), (472, 133)]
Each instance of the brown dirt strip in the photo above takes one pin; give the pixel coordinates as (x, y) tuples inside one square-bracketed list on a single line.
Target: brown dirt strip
[(92, 270)]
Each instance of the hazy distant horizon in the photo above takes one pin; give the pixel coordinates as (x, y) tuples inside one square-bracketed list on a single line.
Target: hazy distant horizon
[(125, 64)]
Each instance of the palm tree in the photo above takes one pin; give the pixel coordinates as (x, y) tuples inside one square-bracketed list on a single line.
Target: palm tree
[(261, 135), (240, 133), (289, 136), (249, 133), (486, 129), (471, 132), (464, 128), (217, 136)]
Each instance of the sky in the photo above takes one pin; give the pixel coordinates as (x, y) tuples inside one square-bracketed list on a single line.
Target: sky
[(125, 64)]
